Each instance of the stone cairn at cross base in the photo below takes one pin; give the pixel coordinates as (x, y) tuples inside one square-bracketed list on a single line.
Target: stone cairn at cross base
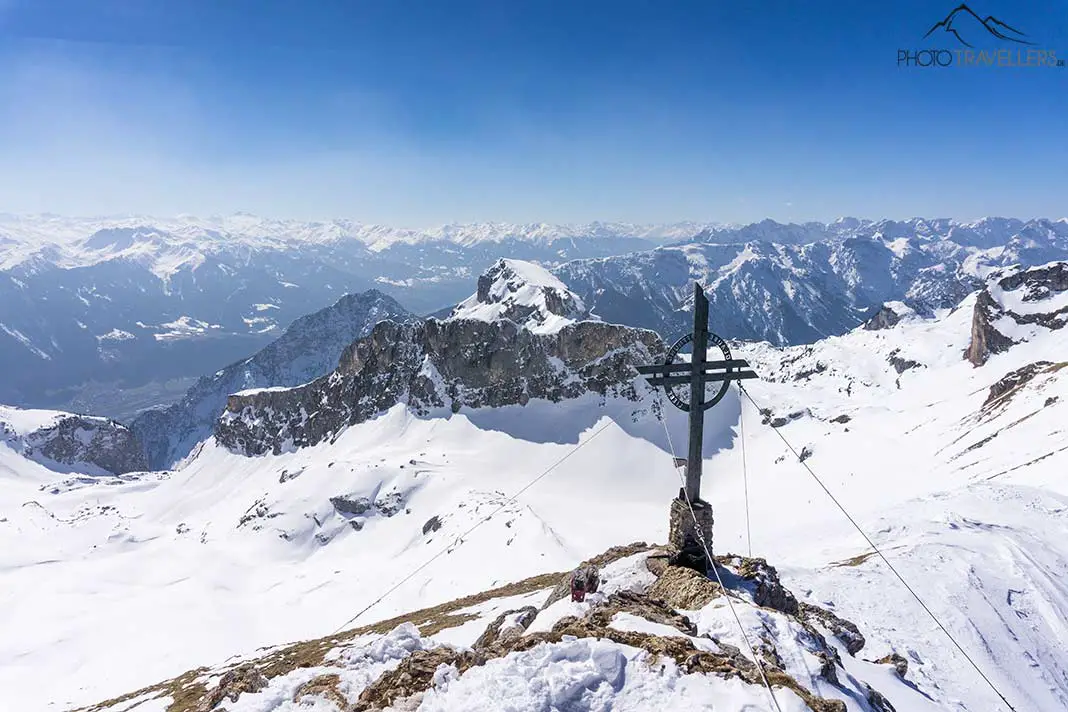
[(682, 533)]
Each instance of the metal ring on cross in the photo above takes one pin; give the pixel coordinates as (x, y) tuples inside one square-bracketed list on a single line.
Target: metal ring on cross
[(682, 401)]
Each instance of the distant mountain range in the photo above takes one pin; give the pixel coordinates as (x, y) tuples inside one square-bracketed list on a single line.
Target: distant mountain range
[(99, 305), (107, 306), (796, 284)]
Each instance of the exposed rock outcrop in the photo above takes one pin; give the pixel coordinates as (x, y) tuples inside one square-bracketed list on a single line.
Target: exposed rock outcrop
[(899, 663), (842, 629), (436, 364), (986, 339), (764, 582), (1020, 298), (508, 626), (68, 440), (401, 666), (1012, 381), (888, 316), (243, 678), (900, 363)]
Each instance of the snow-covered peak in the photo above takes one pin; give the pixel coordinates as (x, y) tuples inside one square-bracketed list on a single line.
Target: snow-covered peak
[(525, 293)]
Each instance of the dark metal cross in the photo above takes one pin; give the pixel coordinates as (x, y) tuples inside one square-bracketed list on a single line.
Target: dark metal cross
[(696, 374)]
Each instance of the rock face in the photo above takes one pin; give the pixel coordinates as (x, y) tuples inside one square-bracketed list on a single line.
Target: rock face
[(888, 316), (986, 339), (1013, 381), (479, 357), (438, 364), (842, 629), (308, 349), (72, 440), (1017, 302)]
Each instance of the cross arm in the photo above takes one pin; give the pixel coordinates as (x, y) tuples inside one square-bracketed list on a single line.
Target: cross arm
[(666, 368), (705, 378)]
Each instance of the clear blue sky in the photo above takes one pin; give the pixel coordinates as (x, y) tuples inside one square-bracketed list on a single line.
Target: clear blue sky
[(418, 113)]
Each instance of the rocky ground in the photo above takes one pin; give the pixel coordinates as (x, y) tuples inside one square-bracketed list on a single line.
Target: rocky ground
[(651, 619)]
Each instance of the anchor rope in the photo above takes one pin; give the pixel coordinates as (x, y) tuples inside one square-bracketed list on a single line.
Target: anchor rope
[(745, 474), (882, 556), (712, 561)]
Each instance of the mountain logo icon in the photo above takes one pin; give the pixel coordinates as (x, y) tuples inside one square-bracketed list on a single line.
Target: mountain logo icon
[(963, 22)]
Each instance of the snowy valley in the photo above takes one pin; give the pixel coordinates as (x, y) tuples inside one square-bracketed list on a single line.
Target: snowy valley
[(439, 476)]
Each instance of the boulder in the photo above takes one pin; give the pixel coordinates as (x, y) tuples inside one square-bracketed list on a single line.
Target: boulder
[(900, 664), (842, 629)]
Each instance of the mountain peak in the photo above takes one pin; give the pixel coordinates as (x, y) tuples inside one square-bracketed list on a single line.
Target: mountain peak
[(523, 292)]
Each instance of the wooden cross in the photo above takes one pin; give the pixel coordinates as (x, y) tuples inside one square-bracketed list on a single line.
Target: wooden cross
[(697, 373)]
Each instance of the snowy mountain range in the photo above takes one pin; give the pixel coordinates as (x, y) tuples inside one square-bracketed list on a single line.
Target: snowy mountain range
[(407, 517), (135, 301), (113, 315), (797, 284)]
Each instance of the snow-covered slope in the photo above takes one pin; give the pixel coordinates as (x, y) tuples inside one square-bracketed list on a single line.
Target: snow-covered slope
[(956, 471), (308, 349)]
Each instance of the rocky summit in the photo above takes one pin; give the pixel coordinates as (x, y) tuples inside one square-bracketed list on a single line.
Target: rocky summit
[(479, 357), (524, 293), (654, 630)]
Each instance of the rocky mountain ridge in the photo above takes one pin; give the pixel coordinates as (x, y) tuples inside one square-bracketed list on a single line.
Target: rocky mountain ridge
[(1014, 305), (479, 357), (65, 441)]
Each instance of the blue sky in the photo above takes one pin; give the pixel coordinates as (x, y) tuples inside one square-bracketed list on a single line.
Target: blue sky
[(418, 113)]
